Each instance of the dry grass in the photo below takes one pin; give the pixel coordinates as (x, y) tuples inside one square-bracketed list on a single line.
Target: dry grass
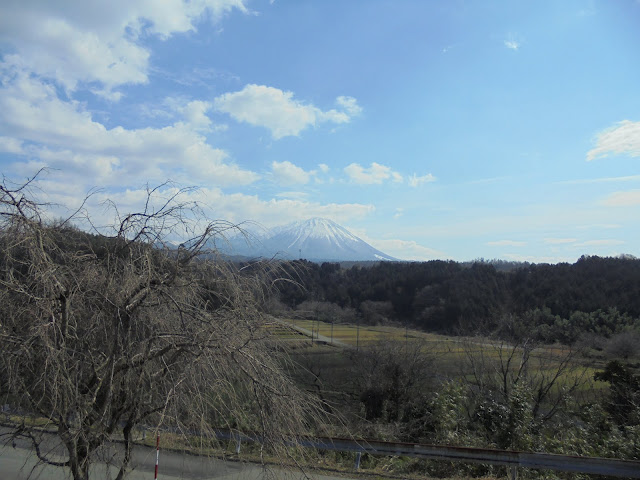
[(450, 353)]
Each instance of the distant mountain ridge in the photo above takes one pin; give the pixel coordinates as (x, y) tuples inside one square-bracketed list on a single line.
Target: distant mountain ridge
[(317, 239)]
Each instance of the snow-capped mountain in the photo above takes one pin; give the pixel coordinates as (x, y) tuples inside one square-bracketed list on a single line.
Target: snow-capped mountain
[(313, 239)]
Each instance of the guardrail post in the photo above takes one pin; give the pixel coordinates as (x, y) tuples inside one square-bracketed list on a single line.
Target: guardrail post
[(513, 473), (357, 465)]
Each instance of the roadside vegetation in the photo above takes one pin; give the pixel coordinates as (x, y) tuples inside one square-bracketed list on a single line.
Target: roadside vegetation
[(405, 385)]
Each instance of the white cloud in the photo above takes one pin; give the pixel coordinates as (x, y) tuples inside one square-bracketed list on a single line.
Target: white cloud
[(293, 195), (559, 241), (323, 167), (195, 115), (350, 105), (506, 243), (278, 111), (374, 174), (399, 212), (416, 181), (10, 145), (512, 44), (622, 138), (600, 243), (377, 174), (240, 207), (77, 41), (407, 250), (63, 134), (629, 198), (236, 208), (401, 249), (286, 173)]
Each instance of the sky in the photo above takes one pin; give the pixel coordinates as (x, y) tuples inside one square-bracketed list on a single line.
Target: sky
[(431, 129)]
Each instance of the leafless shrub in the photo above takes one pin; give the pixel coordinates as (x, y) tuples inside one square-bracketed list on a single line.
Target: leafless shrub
[(517, 388), (389, 375), (102, 333), (624, 345)]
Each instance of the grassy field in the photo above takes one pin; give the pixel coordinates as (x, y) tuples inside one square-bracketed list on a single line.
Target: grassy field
[(452, 356), (355, 335)]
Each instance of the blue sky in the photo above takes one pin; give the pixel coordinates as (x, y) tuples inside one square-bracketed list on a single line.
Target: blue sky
[(431, 129)]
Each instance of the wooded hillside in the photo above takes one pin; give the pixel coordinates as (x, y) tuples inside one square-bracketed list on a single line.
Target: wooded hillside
[(560, 302)]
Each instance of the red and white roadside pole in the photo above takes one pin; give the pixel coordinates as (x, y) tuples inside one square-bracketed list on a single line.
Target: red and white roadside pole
[(157, 455)]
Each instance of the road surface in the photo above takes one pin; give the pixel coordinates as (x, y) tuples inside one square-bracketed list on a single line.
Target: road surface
[(20, 463)]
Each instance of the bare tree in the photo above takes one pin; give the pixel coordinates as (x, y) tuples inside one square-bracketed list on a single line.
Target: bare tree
[(100, 333), (519, 387), (389, 375)]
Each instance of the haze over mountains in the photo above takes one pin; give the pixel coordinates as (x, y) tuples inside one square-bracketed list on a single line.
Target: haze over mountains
[(316, 239)]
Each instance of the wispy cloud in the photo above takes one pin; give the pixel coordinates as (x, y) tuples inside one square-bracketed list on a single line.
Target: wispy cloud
[(350, 105), (506, 243), (629, 178), (559, 241), (403, 249), (374, 174), (239, 207), (415, 180), (11, 145), (512, 44), (600, 243), (293, 195), (629, 198), (622, 138)]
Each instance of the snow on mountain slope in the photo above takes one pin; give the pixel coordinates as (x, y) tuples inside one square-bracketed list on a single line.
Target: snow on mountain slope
[(313, 239)]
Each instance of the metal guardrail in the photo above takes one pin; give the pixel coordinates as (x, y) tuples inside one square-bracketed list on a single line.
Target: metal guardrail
[(514, 459)]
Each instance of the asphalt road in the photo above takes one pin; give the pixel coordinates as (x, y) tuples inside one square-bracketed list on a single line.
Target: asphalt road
[(20, 463)]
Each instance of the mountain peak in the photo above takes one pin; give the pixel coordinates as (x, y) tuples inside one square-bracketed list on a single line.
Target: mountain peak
[(316, 238), (316, 227)]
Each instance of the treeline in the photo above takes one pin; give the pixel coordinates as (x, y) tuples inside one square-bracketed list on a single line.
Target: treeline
[(552, 302)]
